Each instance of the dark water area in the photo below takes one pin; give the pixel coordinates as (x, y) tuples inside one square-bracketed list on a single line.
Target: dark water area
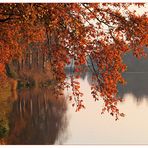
[(36, 117), (136, 84)]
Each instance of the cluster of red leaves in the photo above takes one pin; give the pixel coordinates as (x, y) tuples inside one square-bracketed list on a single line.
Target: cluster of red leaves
[(111, 107)]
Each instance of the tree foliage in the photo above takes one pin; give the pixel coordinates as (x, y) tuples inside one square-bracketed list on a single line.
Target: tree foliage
[(100, 32)]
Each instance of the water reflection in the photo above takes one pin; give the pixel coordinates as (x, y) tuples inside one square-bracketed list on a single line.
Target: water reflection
[(37, 118), (137, 85), (90, 127)]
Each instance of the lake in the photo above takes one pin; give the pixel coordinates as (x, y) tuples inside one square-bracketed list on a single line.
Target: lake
[(36, 117)]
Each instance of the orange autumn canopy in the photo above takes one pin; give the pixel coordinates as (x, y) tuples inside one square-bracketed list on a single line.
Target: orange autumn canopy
[(100, 32)]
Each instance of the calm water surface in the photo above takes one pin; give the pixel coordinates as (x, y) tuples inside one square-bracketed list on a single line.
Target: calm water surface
[(36, 117)]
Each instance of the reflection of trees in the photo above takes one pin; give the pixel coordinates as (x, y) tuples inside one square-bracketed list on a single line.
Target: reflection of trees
[(37, 118), (137, 84), (136, 77), (5, 108)]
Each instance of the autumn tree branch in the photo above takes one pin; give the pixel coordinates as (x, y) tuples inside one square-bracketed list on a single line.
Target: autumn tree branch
[(100, 21), (94, 70)]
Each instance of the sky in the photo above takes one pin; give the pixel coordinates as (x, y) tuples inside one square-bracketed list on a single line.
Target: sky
[(140, 11)]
